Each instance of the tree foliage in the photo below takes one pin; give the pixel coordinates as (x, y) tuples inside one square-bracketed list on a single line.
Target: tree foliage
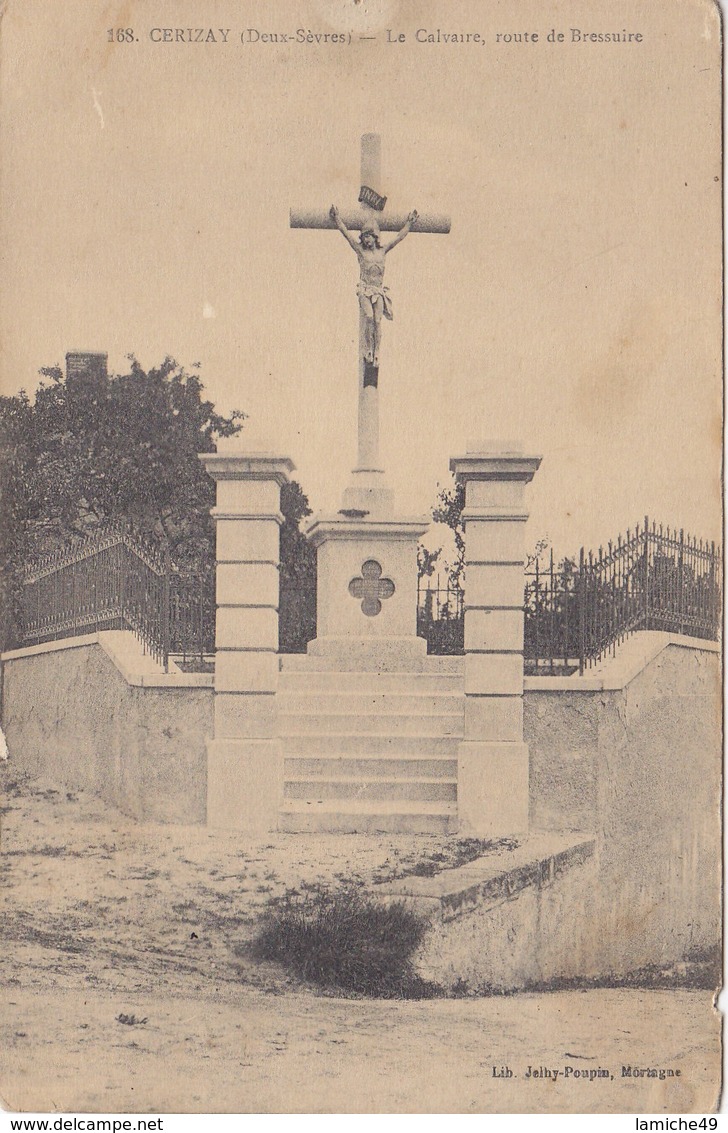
[(89, 450), (449, 511), (298, 557)]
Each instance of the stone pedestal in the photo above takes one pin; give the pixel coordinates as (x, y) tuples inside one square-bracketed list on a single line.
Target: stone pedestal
[(244, 759), (367, 577), (493, 759)]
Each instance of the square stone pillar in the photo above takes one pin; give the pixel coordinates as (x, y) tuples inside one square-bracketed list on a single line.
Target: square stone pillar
[(244, 771), (493, 759)]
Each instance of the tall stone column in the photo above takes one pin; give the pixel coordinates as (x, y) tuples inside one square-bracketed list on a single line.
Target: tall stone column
[(493, 759), (243, 759)]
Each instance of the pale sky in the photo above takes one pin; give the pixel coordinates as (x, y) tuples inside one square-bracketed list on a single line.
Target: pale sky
[(575, 304)]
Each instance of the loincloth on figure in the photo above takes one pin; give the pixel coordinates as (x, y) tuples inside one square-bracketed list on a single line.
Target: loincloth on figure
[(371, 291)]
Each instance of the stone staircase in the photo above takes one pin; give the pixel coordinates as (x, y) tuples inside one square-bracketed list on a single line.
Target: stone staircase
[(370, 751)]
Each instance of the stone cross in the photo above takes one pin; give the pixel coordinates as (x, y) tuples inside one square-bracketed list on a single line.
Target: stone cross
[(371, 207)]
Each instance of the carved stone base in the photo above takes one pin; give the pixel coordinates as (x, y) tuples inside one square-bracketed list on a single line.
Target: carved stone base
[(367, 576)]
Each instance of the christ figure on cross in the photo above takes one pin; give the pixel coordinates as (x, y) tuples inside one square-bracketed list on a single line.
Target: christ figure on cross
[(374, 298)]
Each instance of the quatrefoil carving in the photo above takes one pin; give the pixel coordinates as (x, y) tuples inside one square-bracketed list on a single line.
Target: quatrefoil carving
[(371, 588)]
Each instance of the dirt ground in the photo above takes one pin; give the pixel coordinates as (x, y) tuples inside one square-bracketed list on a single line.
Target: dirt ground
[(106, 920)]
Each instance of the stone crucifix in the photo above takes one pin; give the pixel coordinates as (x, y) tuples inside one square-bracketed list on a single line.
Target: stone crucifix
[(374, 300)]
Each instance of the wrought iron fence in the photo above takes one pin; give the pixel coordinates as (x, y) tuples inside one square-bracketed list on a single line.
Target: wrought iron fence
[(192, 620), (655, 578), (551, 618), (577, 610), (116, 580), (440, 614)]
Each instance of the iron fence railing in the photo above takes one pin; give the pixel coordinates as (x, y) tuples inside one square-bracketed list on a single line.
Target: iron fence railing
[(440, 614), (577, 610), (116, 580), (552, 619), (654, 578), (192, 620)]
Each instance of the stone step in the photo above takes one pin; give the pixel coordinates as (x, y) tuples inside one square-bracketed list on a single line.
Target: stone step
[(411, 790), (389, 723), (365, 702), (332, 681), (426, 666), (374, 744), (348, 817), (369, 767)]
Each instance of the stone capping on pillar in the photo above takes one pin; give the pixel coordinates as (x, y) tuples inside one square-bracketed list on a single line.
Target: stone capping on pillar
[(277, 516), (236, 463), (492, 465), (323, 527)]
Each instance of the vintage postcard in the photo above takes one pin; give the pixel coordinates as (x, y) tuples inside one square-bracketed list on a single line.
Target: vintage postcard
[(361, 704)]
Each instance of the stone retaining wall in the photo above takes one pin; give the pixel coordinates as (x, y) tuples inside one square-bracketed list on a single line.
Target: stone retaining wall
[(71, 714), (639, 767), (622, 869)]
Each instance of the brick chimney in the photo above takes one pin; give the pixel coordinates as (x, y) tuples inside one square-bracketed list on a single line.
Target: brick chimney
[(86, 366)]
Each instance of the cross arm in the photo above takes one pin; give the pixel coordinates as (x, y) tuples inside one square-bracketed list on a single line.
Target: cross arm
[(388, 222)]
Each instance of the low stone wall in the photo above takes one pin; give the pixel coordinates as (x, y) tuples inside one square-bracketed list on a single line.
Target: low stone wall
[(639, 767), (69, 712), (560, 918), (525, 940), (622, 869), (506, 921)]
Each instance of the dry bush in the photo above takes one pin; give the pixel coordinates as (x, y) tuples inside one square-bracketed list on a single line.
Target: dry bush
[(343, 940)]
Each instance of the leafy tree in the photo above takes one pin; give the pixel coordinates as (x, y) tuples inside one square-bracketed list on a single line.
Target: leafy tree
[(297, 600), (89, 451), (93, 450), (298, 557), (534, 556), (449, 511), (427, 561)]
